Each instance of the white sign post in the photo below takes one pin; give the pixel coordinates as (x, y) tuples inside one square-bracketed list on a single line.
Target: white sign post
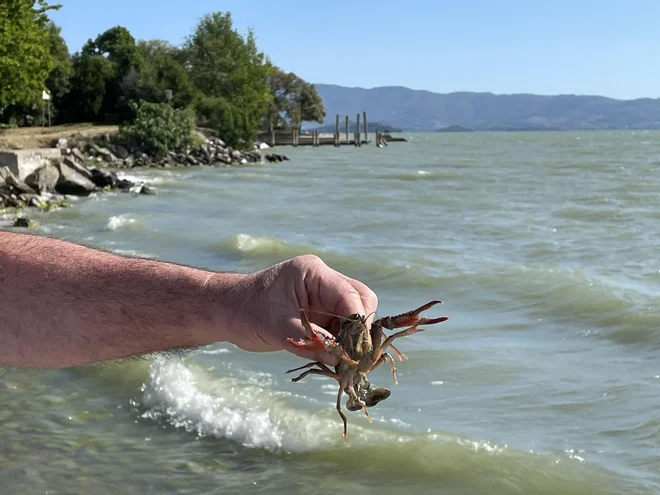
[(46, 98)]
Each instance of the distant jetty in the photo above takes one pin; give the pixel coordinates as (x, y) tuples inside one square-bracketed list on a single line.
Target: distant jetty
[(355, 133)]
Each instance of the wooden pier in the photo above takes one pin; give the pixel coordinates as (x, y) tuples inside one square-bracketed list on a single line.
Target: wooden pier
[(292, 137)]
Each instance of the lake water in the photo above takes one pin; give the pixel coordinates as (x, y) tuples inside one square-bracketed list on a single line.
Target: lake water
[(544, 248)]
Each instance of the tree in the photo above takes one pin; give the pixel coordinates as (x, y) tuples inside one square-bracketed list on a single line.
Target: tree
[(293, 100), (284, 88), (228, 120), (223, 64), (25, 61), (117, 46), (58, 82), (84, 101), (311, 104), (162, 70)]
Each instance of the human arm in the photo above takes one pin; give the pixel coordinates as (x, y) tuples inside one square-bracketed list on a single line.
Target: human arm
[(65, 305)]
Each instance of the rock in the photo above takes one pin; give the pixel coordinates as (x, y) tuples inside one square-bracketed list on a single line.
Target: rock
[(122, 152), (14, 182), (105, 154), (142, 189), (192, 160), (73, 182), (22, 222), (62, 144), (224, 159), (81, 169), (123, 184), (263, 146), (102, 179), (44, 179), (78, 155)]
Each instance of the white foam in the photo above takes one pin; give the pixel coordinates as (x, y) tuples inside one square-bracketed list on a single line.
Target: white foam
[(245, 242), (215, 351), (254, 416), (173, 394), (120, 221)]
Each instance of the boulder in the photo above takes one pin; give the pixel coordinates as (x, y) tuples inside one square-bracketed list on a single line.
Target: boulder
[(73, 182), (43, 179), (102, 178), (9, 179), (123, 184), (121, 152), (22, 222), (78, 167), (78, 155), (104, 153)]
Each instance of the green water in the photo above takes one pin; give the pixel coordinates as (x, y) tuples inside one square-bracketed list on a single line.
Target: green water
[(543, 247)]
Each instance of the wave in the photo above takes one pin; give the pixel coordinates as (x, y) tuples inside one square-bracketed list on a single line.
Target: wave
[(380, 269), (123, 222), (609, 310), (261, 418), (612, 311)]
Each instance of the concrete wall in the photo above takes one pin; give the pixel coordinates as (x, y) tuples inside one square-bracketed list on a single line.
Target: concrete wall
[(23, 162)]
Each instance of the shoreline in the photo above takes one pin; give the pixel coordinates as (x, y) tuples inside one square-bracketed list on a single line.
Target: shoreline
[(44, 179)]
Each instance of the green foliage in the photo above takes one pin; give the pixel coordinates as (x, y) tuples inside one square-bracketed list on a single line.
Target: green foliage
[(91, 74), (293, 101), (311, 104), (232, 124), (117, 46), (218, 72), (25, 61), (224, 64), (161, 70), (158, 128), (58, 81)]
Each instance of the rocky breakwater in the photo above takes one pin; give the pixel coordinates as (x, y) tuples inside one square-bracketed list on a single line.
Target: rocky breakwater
[(213, 151), (49, 185)]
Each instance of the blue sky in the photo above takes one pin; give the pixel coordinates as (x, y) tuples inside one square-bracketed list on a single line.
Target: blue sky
[(601, 47)]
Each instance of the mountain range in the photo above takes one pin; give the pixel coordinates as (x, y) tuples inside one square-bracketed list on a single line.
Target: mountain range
[(420, 110)]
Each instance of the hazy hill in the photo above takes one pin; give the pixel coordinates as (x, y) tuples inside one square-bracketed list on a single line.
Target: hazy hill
[(417, 110)]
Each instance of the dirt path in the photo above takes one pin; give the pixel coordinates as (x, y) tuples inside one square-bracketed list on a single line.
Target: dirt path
[(45, 137)]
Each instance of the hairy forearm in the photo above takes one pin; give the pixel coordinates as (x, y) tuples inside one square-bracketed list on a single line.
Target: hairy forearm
[(64, 305)]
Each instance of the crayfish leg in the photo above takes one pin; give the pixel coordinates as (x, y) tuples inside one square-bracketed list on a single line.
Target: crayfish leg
[(309, 365), (329, 374), (342, 386)]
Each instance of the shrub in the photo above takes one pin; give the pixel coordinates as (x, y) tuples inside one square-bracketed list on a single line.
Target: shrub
[(158, 128), (233, 125)]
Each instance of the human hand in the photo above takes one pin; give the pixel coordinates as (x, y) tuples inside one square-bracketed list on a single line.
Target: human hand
[(279, 293)]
